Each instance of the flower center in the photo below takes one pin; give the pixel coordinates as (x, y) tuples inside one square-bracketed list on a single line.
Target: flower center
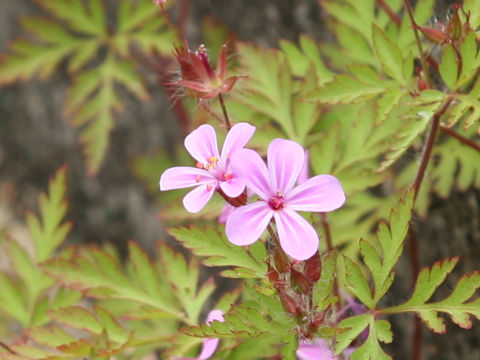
[(277, 202), (211, 163)]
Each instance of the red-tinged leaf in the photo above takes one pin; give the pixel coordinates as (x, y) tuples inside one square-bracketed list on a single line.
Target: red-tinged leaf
[(78, 318), (51, 336), (80, 348), (114, 331)]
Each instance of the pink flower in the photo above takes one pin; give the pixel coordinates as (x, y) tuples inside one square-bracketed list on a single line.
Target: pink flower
[(159, 2), (209, 345), (213, 171), (198, 75), (314, 350), (280, 199)]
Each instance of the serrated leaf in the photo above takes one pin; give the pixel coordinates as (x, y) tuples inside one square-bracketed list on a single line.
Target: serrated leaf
[(219, 251), (48, 232), (322, 289), (269, 85), (99, 275), (51, 336), (357, 283), (449, 67), (379, 330), (78, 318), (389, 54), (466, 107), (85, 18), (346, 89), (184, 278), (458, 305), (12, 300)]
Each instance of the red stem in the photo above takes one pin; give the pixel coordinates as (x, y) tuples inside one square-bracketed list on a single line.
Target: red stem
[(182, 17), (419, 43), (429, 145), (393, 16), (464, 140)]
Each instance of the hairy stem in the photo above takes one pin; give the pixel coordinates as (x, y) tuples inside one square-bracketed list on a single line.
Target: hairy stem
[(182, 17), (225, 113), (428, 79), (432, 135), (393, 16), (464, 140)]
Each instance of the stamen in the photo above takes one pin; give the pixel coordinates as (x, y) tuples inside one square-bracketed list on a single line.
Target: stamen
[(200, 165), (209, 187), (228, 176), (197, 179)]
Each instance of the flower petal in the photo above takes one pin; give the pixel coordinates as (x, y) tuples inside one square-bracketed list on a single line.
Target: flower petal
[(202, 144), (181, 177), (254, 171), (196, 199), (237, 138), (297, 237), (285, 161), (234, 186), (314, 350), (321, 193), (210, 345), (247, 223)]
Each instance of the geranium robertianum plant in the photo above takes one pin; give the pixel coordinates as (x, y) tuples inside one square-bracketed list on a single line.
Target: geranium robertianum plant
[(290, 206)]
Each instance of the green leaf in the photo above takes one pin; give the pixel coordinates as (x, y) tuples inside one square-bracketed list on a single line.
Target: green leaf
[(380, 259), (84, 18), (379, 330), (77, 317), (219, 251), (389, 54), (184, 278), (51, 336), (49, 232), (322, 289), (12, 300), (345, 89), (449, 67), (99, 275), (466, 107), (459, 304), (269, 85)]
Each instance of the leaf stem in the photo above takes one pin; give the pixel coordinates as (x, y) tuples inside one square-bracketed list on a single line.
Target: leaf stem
[(428, 79), (225, 113), (464, 140), (429, 146), (393, 16)]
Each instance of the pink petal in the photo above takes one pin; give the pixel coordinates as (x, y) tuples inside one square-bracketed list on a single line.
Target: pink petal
[(225, 213), (202, 144), (321, 193), (254, 171), (318, 350), (304, 173), (237, 138), (297, 237), (196, 199), (210, 345), (180, 177), (247, 223), (285, 161), (233, 187)]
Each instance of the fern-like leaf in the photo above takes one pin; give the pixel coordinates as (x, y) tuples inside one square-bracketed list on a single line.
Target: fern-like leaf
[(220, 252)]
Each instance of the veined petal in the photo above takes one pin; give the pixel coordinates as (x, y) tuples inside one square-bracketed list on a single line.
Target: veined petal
[(253, 169), (247, 223), (237, 138), (297, 237), (321, 193), (234, 186), (196, 199), (285, 161), (181, 177), (202, 144)]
